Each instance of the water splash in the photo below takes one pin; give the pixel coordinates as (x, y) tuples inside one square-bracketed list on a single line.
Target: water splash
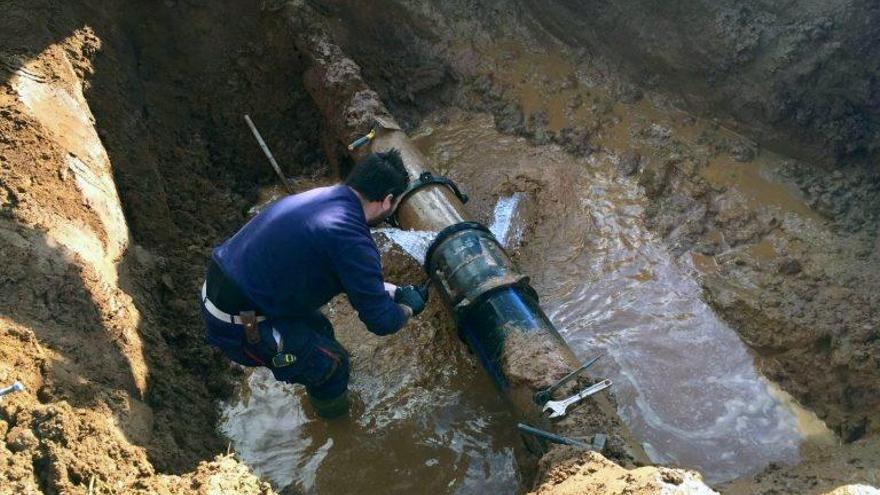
[(507, 226), (414, 242)]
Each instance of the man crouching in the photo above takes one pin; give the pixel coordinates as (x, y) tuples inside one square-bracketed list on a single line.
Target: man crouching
[(266, 284)]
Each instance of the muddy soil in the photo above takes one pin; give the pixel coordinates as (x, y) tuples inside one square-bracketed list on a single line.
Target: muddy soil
[(568, 473), (800, 77), (100, 320), (786, 250)]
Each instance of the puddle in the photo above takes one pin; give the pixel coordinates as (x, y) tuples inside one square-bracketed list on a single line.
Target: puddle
[(426, 419), (755, 180), (450, 442), (685, 384)]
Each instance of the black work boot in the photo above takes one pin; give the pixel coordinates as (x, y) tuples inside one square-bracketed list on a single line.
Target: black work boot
[(331, 408)]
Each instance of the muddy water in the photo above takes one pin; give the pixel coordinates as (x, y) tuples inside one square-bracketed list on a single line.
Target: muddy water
[(448, 441), (686, 385), (425, 418), (428, 420)]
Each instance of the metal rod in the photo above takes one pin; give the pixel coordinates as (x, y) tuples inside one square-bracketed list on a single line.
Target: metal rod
[(15, 387), (552, 437), (287, 184)]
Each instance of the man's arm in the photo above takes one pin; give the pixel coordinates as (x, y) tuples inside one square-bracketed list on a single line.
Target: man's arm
[(358, 266)]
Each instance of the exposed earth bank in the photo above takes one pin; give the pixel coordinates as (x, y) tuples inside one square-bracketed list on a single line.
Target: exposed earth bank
[(801, 76), (122, 162)]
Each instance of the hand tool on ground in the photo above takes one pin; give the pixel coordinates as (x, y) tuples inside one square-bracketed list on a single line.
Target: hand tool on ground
[(558, 408), (599, 441), (256, 133), (15, 387), (552, 437), (380, 123), (545, 395), (366, 138)]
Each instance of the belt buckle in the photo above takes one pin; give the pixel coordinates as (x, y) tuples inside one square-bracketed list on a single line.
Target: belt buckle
[(249, 322)]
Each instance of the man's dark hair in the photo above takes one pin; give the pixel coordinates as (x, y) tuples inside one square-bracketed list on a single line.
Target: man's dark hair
[(379, 175)]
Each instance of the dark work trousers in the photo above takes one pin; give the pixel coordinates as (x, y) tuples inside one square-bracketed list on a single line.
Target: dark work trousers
[(321, 364)]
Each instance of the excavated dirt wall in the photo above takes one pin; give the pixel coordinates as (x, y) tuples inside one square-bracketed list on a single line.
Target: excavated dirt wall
[(98, 304), (800, 76)]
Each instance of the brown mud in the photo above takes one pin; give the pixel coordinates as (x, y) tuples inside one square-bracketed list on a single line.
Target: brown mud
[(799, 77), (99, 321), (124, 159)]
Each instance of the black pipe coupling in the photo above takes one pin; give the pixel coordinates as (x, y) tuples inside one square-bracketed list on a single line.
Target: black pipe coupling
[(467, 263), (424, 180)]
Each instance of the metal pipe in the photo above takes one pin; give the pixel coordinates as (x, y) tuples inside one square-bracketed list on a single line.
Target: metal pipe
[(496, 310), (432, 208), (269, 155)]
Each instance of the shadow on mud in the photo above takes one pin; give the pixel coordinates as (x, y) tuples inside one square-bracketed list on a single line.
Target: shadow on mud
[(167, 89)]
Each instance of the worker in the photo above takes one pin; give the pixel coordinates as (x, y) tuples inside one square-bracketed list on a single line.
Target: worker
[(266, 283)]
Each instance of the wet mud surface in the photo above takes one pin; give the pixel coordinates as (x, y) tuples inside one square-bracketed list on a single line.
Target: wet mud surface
[(777, 72), (425, 417), (684, 382)]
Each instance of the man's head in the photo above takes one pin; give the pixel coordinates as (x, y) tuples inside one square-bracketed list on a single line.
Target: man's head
[(379, 179)]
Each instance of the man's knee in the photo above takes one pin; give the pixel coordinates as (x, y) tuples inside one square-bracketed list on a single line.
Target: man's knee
[(323, 367), (336, 383)]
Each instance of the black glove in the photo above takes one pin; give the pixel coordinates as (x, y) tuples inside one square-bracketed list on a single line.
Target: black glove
[(412, 296)]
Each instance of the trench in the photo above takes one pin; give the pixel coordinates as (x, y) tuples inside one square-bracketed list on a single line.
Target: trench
[(687, 386), (685, 383), (609, 285), (426, 417)]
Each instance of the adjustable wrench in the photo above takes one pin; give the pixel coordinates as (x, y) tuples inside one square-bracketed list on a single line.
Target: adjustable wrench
[(558, 408)]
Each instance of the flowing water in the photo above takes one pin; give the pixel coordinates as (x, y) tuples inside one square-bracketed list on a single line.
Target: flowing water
[(685, 383), (428, 420)]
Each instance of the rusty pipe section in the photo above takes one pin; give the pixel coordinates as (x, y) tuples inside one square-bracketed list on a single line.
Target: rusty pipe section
[(351, 109), (497, 312), (431, 208)]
